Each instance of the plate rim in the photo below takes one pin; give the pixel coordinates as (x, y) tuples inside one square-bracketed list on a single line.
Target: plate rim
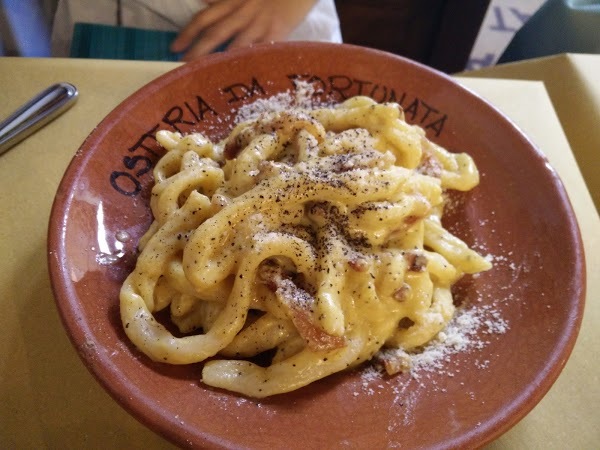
[(63, 291)]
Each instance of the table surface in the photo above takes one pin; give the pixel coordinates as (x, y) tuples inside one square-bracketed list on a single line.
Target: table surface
[(50, 400), (571, 81)]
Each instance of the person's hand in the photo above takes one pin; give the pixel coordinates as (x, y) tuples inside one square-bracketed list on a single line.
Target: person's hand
[(241, 23)]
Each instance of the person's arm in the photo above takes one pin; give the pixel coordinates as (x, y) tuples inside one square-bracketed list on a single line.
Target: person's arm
[(241, 23)]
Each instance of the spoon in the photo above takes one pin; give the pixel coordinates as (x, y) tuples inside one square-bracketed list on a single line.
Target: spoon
[(37, 112)]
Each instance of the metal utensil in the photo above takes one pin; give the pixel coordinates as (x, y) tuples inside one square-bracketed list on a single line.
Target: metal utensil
[(37, 112)]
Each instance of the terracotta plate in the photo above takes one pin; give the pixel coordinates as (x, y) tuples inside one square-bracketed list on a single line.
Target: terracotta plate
[(519, 214)]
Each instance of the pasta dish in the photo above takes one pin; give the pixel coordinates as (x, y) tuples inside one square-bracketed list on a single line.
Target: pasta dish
[(305, 243)]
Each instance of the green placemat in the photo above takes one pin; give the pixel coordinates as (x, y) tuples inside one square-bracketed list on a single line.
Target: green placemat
[(112, 42)]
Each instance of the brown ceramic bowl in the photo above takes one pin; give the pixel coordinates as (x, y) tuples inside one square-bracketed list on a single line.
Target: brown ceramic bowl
[(520, 213)]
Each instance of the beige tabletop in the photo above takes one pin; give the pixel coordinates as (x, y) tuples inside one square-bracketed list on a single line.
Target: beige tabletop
[(50, 400), (573, 85)]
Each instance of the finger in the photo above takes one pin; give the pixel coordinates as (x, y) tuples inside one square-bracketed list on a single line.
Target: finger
[(209, 42), (201, 21), (217, 34), (252, 34)]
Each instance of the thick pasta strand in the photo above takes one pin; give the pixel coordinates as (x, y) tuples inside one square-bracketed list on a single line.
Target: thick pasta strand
[(307, 240)]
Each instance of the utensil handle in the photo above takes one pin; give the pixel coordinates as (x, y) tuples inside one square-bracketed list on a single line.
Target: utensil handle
[(37, 112)]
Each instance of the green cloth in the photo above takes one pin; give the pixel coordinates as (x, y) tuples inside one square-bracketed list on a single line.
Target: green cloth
[(91, 40), (111, 42), (559, 26)]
